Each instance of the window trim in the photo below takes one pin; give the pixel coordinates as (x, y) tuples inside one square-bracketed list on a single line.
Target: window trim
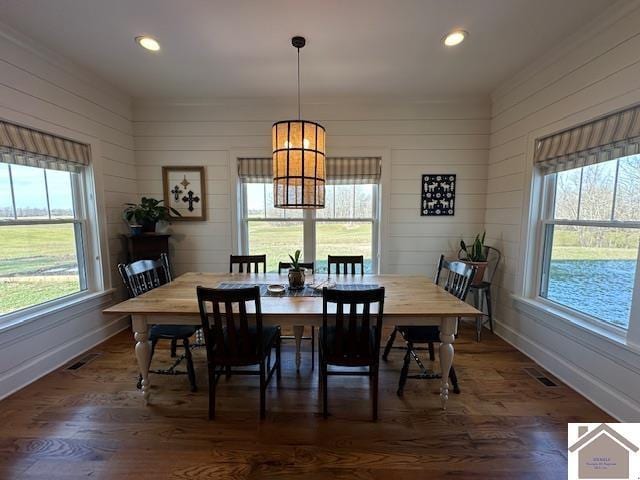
[(309, 222), (97, 267)]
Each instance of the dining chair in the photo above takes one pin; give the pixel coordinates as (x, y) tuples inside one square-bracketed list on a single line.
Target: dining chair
[(140, 277), (284, 267), (351, 339), (346, 263), (456, 277), (233, 338), (482, 291), (244, 262)]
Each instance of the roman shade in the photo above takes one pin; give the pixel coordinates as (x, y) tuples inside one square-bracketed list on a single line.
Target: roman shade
[(612, 136), (350, 170), (340, 170), (25, 146), (255, 170)]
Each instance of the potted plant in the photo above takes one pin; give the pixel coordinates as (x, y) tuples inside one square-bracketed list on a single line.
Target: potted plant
[(147, 213), (475, 254), (296, 272)]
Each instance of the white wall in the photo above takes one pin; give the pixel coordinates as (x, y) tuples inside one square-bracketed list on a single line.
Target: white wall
[(412, 137), (40, 89), (596, 72)]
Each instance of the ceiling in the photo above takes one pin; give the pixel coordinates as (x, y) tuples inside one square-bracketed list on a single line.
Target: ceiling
[(241, 48)]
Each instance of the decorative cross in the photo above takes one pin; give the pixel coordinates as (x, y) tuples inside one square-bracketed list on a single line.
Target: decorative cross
[(191, 198), (185, 183), (176, 192)]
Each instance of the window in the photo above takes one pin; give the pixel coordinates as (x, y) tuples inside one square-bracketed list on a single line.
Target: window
[(347, 226), (42, 217), (591, 236), (269, 230), (41, 236)]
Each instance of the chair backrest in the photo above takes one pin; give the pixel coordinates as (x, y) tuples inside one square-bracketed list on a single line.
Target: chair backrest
[(232, 337), (244, 263), (144, 275), (347, 262), (456, 276), (494, 256), (285, 266), (352, 329)]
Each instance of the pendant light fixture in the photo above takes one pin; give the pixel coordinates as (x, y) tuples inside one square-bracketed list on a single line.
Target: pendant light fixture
[(298, 158)]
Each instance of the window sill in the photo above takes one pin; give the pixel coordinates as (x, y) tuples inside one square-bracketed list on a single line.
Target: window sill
[(584, 332), (78, 304)]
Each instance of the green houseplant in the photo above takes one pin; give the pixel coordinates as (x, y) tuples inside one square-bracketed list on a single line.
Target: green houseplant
[(296, 272), (147, 213), (475, 254)]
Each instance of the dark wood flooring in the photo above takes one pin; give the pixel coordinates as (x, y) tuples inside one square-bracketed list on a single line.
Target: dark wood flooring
[(91, 423)]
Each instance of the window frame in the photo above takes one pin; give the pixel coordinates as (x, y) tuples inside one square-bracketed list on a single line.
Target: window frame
[(82, 237), (309, 221), (97, 266), (543, 246)]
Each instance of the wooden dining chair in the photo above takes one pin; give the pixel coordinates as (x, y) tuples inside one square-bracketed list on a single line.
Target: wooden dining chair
[(346, 263), (244, 263), (351, 339), (309, 266), (456, 279), (140, 277), (235, 339)]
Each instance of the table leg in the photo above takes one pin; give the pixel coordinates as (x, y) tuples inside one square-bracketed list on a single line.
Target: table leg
[(447, 337), (143, 352), (298, 331)]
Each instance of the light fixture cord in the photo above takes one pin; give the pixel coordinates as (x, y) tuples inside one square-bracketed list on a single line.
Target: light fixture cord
[(299, 116)]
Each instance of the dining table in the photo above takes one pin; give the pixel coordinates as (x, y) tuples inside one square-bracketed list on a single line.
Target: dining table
[(409, 300)]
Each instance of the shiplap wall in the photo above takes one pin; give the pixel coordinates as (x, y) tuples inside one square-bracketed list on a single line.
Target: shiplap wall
[(414, 138), (39, 88), (597, 72)]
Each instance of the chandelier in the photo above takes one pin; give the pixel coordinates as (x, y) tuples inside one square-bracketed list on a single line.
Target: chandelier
[(298, 158)]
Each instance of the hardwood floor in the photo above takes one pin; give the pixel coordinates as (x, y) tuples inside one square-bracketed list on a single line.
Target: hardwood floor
[(91, 423)]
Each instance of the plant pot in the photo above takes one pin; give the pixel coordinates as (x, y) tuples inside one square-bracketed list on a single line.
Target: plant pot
[(296, 279), (480, 268), (135, 230), (149, 226)]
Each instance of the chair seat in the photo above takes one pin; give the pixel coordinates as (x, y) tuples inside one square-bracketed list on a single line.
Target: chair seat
[(170, 332), (269, 337), (480, 286), (420, 334), (349, 356)]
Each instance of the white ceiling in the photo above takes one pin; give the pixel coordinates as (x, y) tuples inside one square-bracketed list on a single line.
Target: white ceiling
[(241, 48)]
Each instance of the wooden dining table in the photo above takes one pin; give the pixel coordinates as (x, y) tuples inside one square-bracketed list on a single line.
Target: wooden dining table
[(409, 300)]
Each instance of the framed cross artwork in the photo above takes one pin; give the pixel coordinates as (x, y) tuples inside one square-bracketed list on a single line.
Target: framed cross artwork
[(438, 195), (184, 189)]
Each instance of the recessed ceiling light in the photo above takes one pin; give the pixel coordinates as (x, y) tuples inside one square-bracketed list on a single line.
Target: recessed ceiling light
[(148, 43), (454, 38)]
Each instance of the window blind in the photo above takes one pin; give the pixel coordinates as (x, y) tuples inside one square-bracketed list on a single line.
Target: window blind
[(612, 136), (25, 146), (340, 170)]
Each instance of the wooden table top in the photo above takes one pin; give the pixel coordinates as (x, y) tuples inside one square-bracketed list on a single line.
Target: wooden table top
[(405, 296)]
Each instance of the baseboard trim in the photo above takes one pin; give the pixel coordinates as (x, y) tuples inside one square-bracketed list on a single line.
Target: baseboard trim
[(37, 367), (578, 379)]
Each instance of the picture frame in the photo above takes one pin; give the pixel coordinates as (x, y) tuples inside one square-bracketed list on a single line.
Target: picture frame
[(184, 188), (438, 195)]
